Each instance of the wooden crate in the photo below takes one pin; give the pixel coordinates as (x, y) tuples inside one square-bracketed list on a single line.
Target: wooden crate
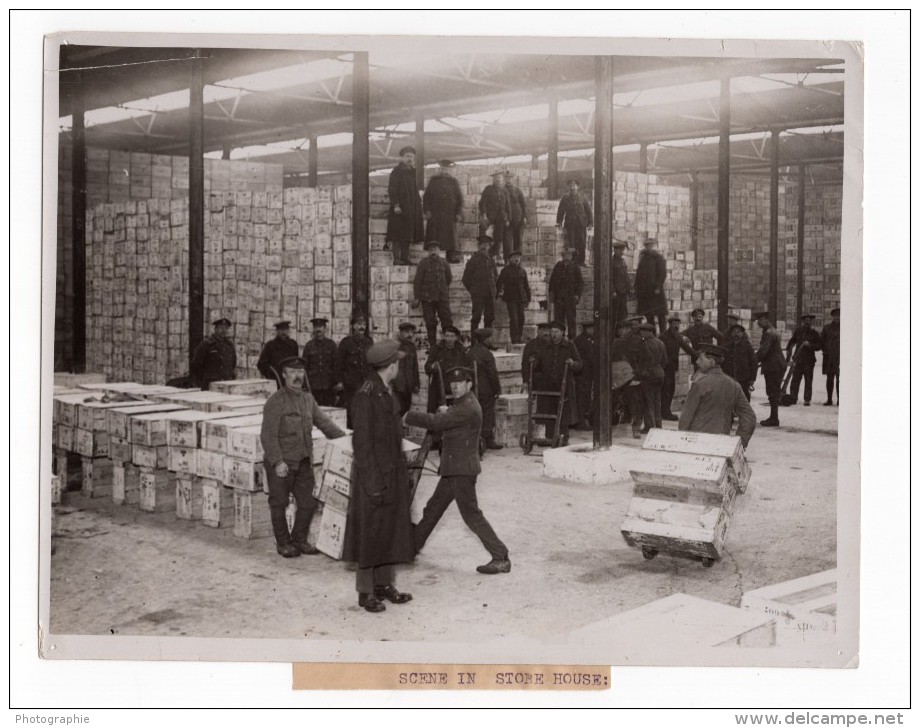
[(700, 443), (805, 609), (511, 404), (216, 432), (118, 418), (244, 475), (157, 490), (182, 460), (245, 443), (331, 536), (210, 465), (184, 428), (126, 484), (245, 386), (56, 490), (680, 471), (65, 438), (189, 498), (120, 449), (150, 457), (90, 444), (97, 477), (217, 504), (148, 429), (251, 515)]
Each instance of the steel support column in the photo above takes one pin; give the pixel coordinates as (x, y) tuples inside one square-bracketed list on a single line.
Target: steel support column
[(694, 211), (772, 306), (312, 163), (196, 321), (420, 150), (552, 146), (78, 222), (643, 158), (800, 258), (603, 230), (723, 202), (360, 186)]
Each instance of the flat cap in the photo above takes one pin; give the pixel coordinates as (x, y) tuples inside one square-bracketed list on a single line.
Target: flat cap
[(482, 334), (620, 244), (558, 325), (292, 362), (835, 312), (432, 244), (283, 325), (485, 238), (762, 314), (406, 150), (224, 321), (712, 350), (446, 163), (587, 322), (569, 180), (451, 329), (569, 250), (458, 374), (384, 352), (358, 316), (543, 325), (696, 311), (736, 326), (515, 252), (650, 241), (640, 319), (808, 316), (674, 318), (647, 327), (407, 326), (732, 316), (497, 173), (319, 321)]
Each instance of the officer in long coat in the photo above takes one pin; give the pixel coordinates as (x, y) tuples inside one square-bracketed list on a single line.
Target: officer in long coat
[(566, 285), (407, 379), (430, 288), (514, 289), (651, 273), (446, 354), (479, 278), (442, 203), (214, 359), (319, 354), (351, 365), (495, 210), (378, 530), (621, 288), (806, 341), (275, 351), (574, 215), (830, 364), (584, 380), (405, 221), (772, 365), (551, 361), (488, 382), (740, 361), (460, 426)]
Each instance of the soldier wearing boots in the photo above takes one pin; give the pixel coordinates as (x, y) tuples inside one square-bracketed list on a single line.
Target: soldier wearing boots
[(550, 365), (806, 342), (532, 349), (514, 289), (495, 210), (443, 206), (574, 216), (740, 361), (566, 285), (772, 365), (481, 356), (432, 280), (673, 342), (479, 278), (319, 354), (351, 361)]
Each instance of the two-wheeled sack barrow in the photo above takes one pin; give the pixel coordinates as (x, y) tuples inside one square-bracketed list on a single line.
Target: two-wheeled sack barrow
[(528, 439)]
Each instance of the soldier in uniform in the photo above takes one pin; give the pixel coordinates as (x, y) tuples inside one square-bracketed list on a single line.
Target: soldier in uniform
[(673, 342), (514, 289), (443, 206), (214, 359), (726, 335), (532, 349), (551, 361), (700, 333), (495, 210), (637, 355), (565, 288), (489, 386), (378, 530), (432, 280), (518, 208), (447, 353), (405, 221), (275, 351), (651, 273), (287, 440), (807, 341), (830, 364), (584, 380), (351, 366), (740, 361), (407, 380), (574, 215), (715, 399), (460, 426), (479, 277), (772, 365), (319, 354), (622, 290), (652, 375)]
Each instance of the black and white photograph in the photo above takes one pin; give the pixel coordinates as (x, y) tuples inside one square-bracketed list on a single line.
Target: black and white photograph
[(303, 293)]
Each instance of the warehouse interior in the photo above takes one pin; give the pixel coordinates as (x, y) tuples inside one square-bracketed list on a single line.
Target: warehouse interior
[(198, 183)]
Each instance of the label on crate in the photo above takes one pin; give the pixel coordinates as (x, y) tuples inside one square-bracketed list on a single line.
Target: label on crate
[(150, 457), (210, 464), (244, 475), (182, 460), (331, 537), (336, 482)]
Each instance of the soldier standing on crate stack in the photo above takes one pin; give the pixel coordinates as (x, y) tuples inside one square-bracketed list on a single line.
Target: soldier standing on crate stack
[(673, 342), (406, 382), (772, 365), (460, 426), (574, 216), (830, 364), (443, 206), (319, 353), (479, 277), (740, 361), (551, 361), (214, 359), (514, 289), (495, 210), (622, 290), (405, 221), (584, 380), (565, 288), (532, 349), (651, 274), (287, 440), (807, 341), (430, 288), (275, 351), (700, 333), (518, 206), (351, 361), (378, 529), (446, 354), (715, 399), (489, 385)]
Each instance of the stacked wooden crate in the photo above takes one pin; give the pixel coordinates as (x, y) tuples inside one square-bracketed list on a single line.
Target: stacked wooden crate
[(805, 609)]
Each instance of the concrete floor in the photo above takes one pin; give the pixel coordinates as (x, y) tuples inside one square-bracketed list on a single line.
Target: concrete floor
[(119, 571)]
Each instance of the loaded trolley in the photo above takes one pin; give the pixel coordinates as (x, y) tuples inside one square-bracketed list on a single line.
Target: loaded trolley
[(528, 439)]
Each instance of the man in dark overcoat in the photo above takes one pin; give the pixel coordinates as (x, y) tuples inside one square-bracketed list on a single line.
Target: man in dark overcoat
[(479, 277), (405, 221), (319, 354), (532, 348), (830, 364), (805, 341), (652, 376), (673, 342), (566, 285), (407, 379), (351, 366), (551, 361), (214, 359), (460, 426), (442, 203), (651, 273), (620, 286), (378, 530), (445, 354), (430, 288), (772, 365), (740, 361), (584, 380), (574, 216), (518, 208), (490, 387), (495, 210), (514, 289), (275, 351)]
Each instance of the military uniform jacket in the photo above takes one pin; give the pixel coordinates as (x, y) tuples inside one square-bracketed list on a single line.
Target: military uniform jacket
[(650, 274), (770, 352), (512, 285), (432, 279), (548, 376), (574, 210), (673, 343), (479, 276), (702, 334), (409, 225), (273, 353), (516, 202), (378, 527), (656, 362), (444, 200), (351, 365), (320, 358), (804, 355), (495, 205), (830, 344), (619, 276), (460, 428), (587, 350), (566, 282), (712, 402), (741, 362), (407, 379), (447, 358), (214, 361), (287, 426), (486, 372)]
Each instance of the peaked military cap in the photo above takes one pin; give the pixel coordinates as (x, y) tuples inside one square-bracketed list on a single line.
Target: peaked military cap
[(762, 314), (283, 325), (407, 326), (482, 334), (384, 352), (484, 238), (319, 321), (712, 350), (736, 326), (647, 327), (557, 325), (292, 362), (432, 243), (835, 312), (458, 374), (696, 311), (451, 329), (807, 316), (674, 318), (515, 252), (446, 163), (225, 321)]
